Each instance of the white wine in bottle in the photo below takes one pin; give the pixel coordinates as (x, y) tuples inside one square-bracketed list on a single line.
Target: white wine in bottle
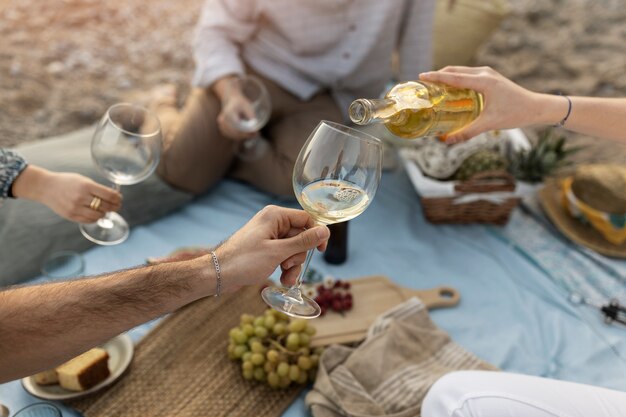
[(333, 201), (417, 109)]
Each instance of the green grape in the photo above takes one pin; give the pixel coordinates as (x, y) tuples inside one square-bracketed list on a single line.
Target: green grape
[(310, 330), (257, 347), (284, 382), (282, 316), (272, 356), (304, 351), (259, 321), (297, 325), (247, 366), (232, 332), (246, 319), (248, 330), (248, 375), (257, 359), (252, 340), (260, 331), (240, 350), (315, 359), (270, 321), (319, 350), (270, 312), (259, 374), (302, 379), (269, 367), (294, 372), (279, 329), (282, 369), (305, 339), (293, 341), (246, 356), (273, 379), (231, 352), (305, 363), (240, 337)]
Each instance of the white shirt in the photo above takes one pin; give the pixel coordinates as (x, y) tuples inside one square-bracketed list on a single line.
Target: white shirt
[(306, 46)]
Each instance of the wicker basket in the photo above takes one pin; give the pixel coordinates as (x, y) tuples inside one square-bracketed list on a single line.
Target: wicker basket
[(454, 210)]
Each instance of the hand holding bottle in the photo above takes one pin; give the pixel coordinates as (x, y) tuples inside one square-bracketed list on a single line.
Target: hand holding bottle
[(506, 104)]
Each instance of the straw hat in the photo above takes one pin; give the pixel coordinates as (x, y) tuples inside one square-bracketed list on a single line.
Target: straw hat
[(590, 207)]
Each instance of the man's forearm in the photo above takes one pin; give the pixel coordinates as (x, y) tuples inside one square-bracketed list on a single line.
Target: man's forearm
[(43, 326)]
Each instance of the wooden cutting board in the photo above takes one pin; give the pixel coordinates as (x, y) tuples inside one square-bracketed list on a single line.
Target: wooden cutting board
[(373, 296)]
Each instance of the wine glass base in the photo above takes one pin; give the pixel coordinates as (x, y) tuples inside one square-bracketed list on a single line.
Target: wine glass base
[(109, 230), (281, 300)]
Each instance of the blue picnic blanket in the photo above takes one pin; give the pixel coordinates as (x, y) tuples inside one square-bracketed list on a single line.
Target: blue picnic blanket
[(515, 281)]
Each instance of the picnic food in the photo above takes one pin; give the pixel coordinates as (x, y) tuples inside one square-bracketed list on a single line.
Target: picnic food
[(337, 297), (275, 349), (48, 377), (541, 160), (84, 371), (418, 109), (481, 161)]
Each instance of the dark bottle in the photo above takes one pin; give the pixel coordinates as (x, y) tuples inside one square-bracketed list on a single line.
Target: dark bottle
[(337, 250)]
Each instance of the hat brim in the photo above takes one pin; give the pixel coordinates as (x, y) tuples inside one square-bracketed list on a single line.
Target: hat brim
[(572, 228)]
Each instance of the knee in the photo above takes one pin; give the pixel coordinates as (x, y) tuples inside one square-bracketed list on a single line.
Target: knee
[(445, 396)]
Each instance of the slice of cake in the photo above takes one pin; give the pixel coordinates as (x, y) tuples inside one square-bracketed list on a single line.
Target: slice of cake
[(84, 371), (48, 377)]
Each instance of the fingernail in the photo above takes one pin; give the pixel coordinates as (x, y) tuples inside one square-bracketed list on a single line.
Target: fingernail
[(322, 232)]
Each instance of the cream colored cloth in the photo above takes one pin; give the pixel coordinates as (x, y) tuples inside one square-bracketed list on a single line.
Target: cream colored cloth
[(391, 371), (307, 46)]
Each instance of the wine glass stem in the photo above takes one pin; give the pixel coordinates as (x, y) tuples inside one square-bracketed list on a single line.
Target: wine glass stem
[(105, 221), (305, 267)]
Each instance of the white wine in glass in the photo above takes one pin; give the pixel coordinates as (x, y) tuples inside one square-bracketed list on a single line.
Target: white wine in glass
[(126, 148), (335, 179)]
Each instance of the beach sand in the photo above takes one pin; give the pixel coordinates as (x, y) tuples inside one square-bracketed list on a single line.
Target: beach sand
[(62, 63)]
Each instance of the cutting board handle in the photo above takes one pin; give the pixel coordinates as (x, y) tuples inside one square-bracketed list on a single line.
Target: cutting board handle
[(437, 297)]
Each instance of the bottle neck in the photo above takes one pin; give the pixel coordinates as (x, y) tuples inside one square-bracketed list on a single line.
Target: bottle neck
[(365, 111)]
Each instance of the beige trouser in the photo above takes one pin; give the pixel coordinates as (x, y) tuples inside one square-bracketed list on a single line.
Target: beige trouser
[(196, 155)]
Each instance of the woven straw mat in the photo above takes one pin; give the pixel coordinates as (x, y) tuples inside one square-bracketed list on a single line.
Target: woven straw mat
[(181, 369)]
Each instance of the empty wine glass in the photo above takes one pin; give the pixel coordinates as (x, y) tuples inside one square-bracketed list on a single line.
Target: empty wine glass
[(255, 92), (335, 178), (126, 148)]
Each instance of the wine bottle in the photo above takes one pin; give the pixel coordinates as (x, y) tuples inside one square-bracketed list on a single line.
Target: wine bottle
[(418, 109), (337, 249)]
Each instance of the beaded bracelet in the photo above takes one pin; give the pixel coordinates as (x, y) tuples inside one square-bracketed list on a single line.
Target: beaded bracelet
[(218, 273)]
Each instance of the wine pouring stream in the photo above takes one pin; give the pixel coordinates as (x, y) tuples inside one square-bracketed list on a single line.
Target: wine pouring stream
[(335, 178)]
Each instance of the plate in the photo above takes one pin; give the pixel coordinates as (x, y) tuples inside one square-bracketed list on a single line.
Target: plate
[(120, 350)]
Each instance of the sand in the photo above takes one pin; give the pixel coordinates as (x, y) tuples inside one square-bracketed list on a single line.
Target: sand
[(62, 63)]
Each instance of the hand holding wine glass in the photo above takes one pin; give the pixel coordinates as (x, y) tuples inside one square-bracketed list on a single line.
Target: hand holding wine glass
[(126, 148), (245, 111), (335, 178)]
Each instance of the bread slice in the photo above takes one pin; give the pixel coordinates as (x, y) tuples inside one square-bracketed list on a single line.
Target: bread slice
[(48, 377), (84, 371)]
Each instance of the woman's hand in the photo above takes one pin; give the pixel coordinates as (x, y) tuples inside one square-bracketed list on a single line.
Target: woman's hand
[(67, 194), (274, 236), (507, 105)]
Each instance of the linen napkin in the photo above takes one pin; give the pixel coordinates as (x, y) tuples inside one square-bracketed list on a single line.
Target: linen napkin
[(389, 374)]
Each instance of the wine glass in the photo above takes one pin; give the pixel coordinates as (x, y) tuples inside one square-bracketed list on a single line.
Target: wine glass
[(335, 178), (126, 148), (257, 95)]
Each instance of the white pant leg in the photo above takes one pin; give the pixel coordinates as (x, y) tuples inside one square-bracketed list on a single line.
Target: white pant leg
[(500, 394)]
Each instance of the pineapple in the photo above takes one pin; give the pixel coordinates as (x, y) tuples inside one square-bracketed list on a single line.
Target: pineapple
[(548, 155), (481, 161)]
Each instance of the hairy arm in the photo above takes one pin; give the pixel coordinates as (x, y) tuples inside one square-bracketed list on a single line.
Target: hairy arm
[(43, 326), (508, 105)]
